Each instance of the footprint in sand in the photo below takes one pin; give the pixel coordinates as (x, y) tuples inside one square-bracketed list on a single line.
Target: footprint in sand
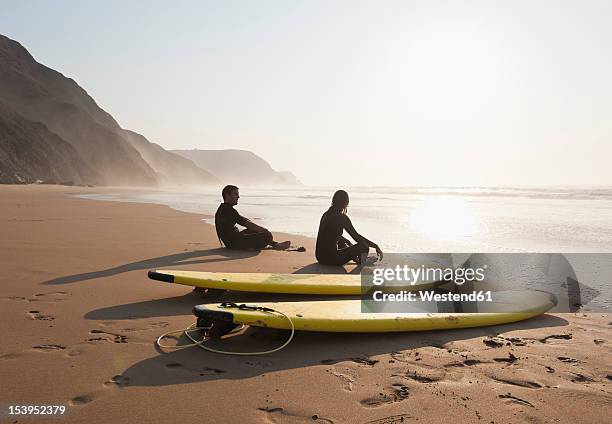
[(423, 378), (361, 360), (50, 297), (81, 400), (567, 360), (515, 400), (39, 316), (15, 298), (494, 342), (556, 337), (510, 359), (518, 382), (392, 419), (202, 372), (581, 378), (49, 347), (346, 379), (74, 352), (467, 362), (396, 393), (280, 415), (108, 387), (106, 336), (84, 399), (516, 341), (364, 360), (118, 381)]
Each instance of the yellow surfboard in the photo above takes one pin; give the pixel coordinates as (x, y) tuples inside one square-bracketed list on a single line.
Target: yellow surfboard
[(347, 315), (319, 284)]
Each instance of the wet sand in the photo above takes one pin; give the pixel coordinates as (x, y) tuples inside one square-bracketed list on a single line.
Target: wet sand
[(80, 317)]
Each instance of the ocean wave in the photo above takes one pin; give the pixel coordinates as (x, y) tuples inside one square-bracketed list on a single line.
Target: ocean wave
[(533, 193)]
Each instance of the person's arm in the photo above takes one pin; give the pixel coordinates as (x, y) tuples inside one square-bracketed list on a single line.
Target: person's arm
[(348, 226), (254, 227), (248, 224), (343, 242)]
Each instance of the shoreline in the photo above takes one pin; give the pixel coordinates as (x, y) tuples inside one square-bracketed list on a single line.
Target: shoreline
[(426, 222), (204, 216), (81, 319)]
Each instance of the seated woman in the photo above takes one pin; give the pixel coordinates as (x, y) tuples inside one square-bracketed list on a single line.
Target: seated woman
[(332, 248)]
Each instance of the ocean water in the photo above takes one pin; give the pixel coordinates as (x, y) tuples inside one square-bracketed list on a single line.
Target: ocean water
[(439, 219)]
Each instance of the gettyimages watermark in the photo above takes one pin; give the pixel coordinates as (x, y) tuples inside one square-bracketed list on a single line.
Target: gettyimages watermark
[(487, 283), (411, 275)]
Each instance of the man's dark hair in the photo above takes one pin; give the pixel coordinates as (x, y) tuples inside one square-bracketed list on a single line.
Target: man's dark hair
[(227, 190)]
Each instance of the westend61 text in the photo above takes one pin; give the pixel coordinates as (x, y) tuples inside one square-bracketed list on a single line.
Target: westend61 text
[(429, 296)]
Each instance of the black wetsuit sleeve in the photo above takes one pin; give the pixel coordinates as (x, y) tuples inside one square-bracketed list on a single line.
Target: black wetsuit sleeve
[(343, 240), (348, 226), (241, 220)]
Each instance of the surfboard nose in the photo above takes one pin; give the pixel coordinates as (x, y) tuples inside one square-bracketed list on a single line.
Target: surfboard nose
[(158, 276)]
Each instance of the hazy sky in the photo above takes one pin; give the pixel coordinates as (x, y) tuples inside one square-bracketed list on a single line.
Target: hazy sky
[(350, 93)]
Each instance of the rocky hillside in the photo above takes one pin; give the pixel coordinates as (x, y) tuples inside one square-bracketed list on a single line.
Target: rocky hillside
[(30, 153), (171, 169), (240, 167), (115, 156)]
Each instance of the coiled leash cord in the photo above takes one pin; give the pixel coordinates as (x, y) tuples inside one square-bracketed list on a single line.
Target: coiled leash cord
[(200, 343)]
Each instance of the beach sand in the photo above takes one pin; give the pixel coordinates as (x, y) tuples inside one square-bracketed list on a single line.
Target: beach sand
[(80, 317)]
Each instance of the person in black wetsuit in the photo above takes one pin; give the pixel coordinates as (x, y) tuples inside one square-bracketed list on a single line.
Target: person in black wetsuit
[(332, 248), (252, 237)]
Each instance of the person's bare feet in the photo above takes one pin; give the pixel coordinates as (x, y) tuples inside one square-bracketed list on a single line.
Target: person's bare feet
[(283, 245)]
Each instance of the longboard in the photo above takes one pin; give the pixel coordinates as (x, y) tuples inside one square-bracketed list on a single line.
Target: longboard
[(347, 315), (320, 284), (317, 284)]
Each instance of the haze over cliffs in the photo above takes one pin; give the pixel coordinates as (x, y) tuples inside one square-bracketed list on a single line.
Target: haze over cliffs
[(30, 152), (239, 167), (51, 130), (40, 104)]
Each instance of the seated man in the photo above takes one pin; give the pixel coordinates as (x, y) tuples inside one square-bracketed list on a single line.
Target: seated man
[(252, 237)]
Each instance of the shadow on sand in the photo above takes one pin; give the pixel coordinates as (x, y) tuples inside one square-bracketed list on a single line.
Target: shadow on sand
[(161, 261), (193, 365), (182, 305), (317, 268)]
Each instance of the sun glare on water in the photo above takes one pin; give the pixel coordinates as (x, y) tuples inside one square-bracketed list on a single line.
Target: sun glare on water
[(445, 219)]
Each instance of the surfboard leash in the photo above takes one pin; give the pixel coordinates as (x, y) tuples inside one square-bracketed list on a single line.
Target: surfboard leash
[(200, 343)]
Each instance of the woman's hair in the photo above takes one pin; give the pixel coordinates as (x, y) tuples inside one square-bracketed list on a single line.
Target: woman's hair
[(340, 201)]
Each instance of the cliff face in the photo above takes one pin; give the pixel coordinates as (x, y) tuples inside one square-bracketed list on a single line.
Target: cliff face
[(172, 169), (40, 94), (52, 130), (29, 152), (239, 167)]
